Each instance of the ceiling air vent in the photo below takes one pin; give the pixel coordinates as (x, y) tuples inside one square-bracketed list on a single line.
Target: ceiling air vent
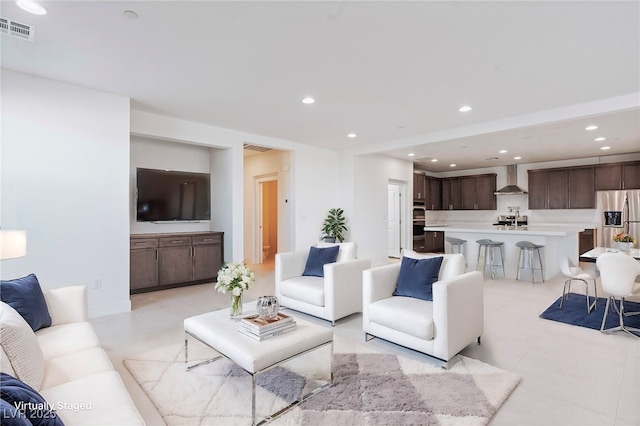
[(16, 29), (256, 148)]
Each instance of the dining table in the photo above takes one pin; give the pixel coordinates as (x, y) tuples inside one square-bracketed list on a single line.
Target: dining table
[(592, 255)]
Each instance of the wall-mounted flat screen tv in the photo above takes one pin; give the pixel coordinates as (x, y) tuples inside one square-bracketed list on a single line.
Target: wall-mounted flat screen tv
[(169, 195)]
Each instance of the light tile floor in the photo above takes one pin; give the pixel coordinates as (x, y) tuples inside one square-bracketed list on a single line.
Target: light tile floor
[(570, 375)]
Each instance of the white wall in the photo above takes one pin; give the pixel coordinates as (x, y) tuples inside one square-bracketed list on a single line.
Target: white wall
[(228, 205), (368, 225), (315, 182), (65, 180), (274, 165)]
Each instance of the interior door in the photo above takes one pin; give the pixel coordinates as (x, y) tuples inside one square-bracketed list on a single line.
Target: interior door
[(394, 234)]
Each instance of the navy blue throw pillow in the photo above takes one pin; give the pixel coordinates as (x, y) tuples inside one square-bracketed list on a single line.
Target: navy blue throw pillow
[(26, 297), (417, 276), (11, 416), (317, 258), (28, 402)]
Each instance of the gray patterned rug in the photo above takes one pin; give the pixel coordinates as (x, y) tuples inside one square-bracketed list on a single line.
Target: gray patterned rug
[(369, 388)]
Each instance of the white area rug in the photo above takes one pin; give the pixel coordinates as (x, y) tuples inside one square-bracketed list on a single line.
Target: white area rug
[(369, 388)]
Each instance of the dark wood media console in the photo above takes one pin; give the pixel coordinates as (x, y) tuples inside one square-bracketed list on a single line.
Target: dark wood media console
[(160, 261)]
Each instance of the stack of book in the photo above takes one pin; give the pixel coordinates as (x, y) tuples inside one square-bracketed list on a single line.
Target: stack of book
[(261, 328)]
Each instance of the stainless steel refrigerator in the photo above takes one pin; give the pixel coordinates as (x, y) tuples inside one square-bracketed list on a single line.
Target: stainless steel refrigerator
[(619, 212)]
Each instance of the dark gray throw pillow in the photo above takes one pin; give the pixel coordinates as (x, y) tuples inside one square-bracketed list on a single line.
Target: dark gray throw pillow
[(417, 277), (26, 297), (317, 259)]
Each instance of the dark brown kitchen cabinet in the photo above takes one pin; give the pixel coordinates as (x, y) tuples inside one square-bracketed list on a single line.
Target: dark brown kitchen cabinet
[(418, 186), (581, 184), (451, 194), (433, 193), (557, 189), (159, 261), (477, 192), (608, 177), (586, 240), (548, 189), (614, 176), (418, 243), (434, 242), (631, 175), (537, 189), (566, 188)]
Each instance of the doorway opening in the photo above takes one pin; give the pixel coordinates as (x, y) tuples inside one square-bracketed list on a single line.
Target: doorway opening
[(396, 232), (267, 219)]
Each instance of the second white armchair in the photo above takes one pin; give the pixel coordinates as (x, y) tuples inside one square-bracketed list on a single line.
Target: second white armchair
[(440, 327)]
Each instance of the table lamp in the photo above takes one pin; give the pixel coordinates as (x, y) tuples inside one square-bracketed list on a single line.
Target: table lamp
[(13, 244)]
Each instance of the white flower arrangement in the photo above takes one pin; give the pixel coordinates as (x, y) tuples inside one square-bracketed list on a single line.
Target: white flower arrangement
[(235, 278)]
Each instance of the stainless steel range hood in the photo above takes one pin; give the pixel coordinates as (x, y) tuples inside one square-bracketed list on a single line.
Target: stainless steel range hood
[(512, 187)]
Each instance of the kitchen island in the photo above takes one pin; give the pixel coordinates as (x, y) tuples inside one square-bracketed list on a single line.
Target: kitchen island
[(558, 241)]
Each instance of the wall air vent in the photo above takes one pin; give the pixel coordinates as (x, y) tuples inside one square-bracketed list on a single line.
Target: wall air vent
[(256, 148), (16, 29)]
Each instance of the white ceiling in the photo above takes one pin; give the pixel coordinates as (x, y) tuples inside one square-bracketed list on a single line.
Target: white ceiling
[(395, 73)]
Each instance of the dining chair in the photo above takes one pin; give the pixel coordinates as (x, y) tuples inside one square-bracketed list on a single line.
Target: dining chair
[(575, 273), (618, 272)]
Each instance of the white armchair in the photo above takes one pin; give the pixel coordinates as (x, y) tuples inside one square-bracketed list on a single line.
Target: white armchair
[(334, 296), (440, 328)]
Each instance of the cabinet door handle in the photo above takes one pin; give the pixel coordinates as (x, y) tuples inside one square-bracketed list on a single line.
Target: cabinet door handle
[(156, 255)]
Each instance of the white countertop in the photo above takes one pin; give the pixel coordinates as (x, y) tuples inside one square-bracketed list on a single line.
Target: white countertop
[(594, 253), (546, 230)]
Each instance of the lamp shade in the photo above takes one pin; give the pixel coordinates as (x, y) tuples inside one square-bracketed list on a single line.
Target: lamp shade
[(13, 244)]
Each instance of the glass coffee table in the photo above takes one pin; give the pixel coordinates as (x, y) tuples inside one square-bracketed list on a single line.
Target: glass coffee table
[(217, 330)]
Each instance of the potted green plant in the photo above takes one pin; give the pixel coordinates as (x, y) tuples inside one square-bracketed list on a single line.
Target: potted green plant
[(334, 226)]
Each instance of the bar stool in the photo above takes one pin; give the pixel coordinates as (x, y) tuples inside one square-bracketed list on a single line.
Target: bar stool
[(529, 248), (489, 246), (456, 246)]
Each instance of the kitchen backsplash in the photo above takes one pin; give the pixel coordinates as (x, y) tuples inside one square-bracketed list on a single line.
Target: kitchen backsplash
[(588, 217)]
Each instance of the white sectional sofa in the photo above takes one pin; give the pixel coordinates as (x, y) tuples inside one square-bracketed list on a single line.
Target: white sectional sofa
[(440, 328), (65, 362)]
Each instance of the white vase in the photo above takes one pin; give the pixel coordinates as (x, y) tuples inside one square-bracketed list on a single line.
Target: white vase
[(623, 246)]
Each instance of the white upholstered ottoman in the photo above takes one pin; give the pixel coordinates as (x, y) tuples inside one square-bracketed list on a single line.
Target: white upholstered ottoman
[(217, 330)]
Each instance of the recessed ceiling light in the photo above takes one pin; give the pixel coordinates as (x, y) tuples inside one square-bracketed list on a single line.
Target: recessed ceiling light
[(308, 100), (600, 139), (503, 151), (411, 154), (604, 148), (465, 108), (517, 158), (434, 160), (31, 7), (591, 127), (351, 135), (452, 165), (130, 14)]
